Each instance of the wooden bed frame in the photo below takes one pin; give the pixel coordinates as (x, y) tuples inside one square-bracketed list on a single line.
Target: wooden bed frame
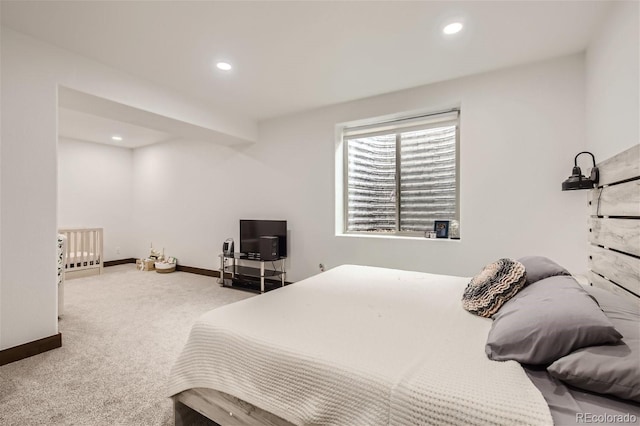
[(614, 250), (83, 254), (202, 406), (614, 226)]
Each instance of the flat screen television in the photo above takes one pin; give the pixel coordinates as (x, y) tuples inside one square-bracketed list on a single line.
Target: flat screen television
[(252, 230)]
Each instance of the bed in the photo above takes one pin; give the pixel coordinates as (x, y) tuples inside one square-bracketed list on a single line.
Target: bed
[(360, 345), (368, 360), (83, 253)]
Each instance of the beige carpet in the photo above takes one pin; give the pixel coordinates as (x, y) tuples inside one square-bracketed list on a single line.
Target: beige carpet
[(121, 332)]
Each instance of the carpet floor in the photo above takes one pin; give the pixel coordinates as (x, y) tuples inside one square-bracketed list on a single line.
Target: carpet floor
[(121, 332)]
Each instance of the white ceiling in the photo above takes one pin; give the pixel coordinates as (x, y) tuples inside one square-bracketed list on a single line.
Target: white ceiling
[(87, 127), (291, 56), (83, 116)]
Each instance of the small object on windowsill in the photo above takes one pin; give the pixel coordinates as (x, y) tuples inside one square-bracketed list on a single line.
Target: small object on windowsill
[(454, 230)]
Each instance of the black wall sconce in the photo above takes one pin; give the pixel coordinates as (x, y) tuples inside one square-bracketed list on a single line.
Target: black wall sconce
[(577, 180)]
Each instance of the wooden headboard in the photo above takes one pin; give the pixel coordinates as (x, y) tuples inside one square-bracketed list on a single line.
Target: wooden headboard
[(614, 225)]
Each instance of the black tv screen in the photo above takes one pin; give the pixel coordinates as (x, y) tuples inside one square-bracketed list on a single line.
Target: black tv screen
[(252, 230)]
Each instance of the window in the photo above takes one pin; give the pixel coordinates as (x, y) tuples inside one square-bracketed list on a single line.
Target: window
[(401, 175)]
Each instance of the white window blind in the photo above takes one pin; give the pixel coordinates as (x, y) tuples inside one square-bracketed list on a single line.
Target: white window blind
[(401, 175)]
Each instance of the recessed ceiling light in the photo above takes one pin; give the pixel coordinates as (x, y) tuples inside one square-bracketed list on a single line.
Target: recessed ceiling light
[(116, 138), (452, 28), (224, 66)]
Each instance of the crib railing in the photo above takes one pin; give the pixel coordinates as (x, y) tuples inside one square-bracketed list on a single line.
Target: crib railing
[(62, 243), (84, 249)]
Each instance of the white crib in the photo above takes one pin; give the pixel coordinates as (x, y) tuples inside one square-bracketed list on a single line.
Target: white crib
[(83, 253), (62, 244)]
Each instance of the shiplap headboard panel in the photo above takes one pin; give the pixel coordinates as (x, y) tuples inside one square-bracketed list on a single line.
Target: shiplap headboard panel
[(614, 225)]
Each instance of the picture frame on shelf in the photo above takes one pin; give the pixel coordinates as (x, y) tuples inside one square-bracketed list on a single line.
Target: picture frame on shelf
[(441, 227)]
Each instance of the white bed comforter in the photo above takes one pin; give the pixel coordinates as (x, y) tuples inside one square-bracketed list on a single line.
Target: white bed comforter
[(359, 345)]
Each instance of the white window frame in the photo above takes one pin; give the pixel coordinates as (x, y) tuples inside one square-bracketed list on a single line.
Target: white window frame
[(386, 125)]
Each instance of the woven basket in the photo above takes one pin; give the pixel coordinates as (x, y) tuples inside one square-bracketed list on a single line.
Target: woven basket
[(165, 268)]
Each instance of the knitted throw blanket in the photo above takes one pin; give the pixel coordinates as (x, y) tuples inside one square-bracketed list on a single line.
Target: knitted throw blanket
[(359, 346)]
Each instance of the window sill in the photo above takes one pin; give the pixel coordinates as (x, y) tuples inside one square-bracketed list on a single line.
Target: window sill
[(397, 237)]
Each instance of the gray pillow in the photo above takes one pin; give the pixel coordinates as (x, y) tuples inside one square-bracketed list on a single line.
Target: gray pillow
[(540, 267), (621, 311), (547, 320), (608, 369)]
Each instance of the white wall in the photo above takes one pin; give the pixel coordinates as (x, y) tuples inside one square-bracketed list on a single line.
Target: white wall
[(95, 190), (31, 72), (613, 83), (186, 200), (188, 197), (28, 170), (520, 129)]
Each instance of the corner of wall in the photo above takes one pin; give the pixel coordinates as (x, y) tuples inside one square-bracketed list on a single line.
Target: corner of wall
[(613, 82)]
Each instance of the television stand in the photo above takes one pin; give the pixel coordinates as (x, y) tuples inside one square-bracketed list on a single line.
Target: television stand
[(251, 278)]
